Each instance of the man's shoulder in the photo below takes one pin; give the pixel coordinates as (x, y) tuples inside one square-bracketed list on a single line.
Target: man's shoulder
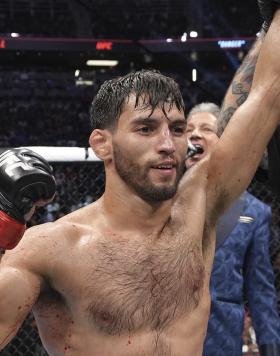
[(62, 230), (253, 203), (40, 238), (55, 237), (49, 230), (42, 246)]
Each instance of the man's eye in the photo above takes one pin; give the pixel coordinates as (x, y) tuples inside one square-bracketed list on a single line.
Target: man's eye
[(179, 130), (208, 129), (145, 129)]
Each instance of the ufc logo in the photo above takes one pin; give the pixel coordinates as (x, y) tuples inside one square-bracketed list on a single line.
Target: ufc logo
[(13, 163)]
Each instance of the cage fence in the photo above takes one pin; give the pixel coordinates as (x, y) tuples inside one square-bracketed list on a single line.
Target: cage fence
[(79, 184)]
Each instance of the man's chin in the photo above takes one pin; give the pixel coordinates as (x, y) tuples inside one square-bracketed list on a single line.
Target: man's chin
[(160, 192), (160, 196)]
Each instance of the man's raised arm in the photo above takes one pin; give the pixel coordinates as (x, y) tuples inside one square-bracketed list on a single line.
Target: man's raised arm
[(239, 151), (240, 86)]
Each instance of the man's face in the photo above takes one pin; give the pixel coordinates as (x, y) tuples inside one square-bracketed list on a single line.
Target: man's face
[(149, 150), (201, 130)]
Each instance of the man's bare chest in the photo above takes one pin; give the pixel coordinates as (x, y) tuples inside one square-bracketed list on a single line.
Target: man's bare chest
[(121, 286)]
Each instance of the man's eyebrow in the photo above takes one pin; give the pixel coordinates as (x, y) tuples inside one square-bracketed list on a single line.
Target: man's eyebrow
[(143, 120), (207, 124), (204, 124), (179, 122), (147, 119)]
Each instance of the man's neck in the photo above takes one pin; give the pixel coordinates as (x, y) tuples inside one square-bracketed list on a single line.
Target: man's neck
[(125, 208)]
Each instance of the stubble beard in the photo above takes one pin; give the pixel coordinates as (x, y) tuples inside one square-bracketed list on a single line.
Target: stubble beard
[(136, 177)]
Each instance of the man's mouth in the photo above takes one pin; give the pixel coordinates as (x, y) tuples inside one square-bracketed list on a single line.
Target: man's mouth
[(166, 168), (194, 149)]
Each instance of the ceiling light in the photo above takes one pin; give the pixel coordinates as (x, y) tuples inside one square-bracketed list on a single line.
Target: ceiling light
[(184, 37), (194, 75), (193, 34), (102, 63)]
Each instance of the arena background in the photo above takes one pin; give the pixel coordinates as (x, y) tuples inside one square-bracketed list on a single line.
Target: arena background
[(46, 86)]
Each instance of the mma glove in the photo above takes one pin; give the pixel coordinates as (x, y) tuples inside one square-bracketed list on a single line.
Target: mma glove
[(25, 179), (267, 10)]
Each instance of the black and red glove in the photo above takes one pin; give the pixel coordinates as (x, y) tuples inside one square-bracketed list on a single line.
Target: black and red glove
[(267, 10), (26, 178)]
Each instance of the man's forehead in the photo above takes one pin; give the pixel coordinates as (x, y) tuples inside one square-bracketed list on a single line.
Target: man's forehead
[(202, 117), (142, 106)]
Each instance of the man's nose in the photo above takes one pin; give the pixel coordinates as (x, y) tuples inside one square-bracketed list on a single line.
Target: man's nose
[(195, 133), (166, 142)]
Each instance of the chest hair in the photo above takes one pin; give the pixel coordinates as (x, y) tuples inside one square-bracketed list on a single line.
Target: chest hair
[(144, 285)]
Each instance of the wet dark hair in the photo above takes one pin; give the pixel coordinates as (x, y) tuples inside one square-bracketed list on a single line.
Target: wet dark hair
[(151, 86)]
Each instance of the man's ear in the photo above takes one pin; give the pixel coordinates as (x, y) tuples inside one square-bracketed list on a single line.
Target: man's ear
[(101, 143)]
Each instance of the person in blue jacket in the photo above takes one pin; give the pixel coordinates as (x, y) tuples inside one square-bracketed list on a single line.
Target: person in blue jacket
[(242, 271)]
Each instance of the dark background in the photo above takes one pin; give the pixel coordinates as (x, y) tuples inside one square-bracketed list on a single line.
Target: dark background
[(40, 101), (43, 102)]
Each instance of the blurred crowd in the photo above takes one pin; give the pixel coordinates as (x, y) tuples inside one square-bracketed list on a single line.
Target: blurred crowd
[(48, 108), (43, 108), (101, 18)]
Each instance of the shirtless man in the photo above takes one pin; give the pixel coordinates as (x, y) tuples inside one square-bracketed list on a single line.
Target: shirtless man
[(129, 274)]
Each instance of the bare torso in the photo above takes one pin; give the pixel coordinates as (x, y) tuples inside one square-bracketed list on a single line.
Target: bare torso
[(123, 293)]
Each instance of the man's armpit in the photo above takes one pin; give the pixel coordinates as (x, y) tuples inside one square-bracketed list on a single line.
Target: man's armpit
[(218, 202)]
